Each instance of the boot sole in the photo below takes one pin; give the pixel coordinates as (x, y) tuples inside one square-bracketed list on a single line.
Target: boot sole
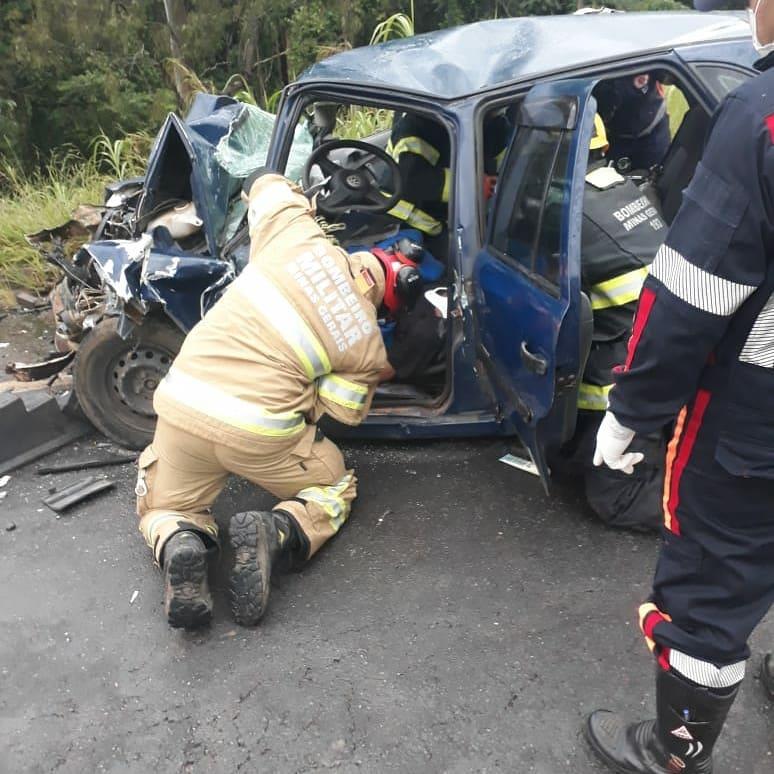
[(188, 602), (249, 584)]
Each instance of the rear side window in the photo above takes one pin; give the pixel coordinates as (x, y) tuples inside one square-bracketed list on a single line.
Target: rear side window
[(722, 80), (531, 201)]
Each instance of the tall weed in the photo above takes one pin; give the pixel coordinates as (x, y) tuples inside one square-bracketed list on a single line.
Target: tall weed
[(30, 202)]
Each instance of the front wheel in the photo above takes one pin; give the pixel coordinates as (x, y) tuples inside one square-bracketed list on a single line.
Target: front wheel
[(115, 378)]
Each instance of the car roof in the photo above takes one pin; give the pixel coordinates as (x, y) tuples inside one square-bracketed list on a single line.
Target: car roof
[(455, 62)]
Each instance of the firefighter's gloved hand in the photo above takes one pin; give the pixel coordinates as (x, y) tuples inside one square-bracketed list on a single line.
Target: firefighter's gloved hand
[(251, 178), (613, 440)]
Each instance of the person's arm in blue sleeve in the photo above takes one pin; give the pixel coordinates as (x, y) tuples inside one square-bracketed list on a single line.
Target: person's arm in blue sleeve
[(714, 258)]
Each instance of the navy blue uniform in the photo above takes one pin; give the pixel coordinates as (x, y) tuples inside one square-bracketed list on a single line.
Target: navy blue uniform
[(635, 115), (702, 356), (621, 234)]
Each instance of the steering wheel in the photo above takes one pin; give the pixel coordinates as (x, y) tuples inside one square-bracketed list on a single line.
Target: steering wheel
[(352, 184)]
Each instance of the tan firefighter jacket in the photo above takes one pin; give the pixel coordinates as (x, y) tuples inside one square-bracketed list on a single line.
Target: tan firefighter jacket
[(293, 337)]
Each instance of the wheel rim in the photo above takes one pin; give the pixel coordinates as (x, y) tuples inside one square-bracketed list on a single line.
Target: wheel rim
[(135, 374)]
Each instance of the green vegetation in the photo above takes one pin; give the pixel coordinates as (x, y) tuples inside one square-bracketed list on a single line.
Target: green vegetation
[(47, 197), (75, 70)]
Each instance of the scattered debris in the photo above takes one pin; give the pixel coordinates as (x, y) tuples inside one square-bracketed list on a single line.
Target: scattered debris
[(4, 480), (3, 344), (102, 462), (33, 424), (3, 494), (381, 518), (28, 372), (61, 381), (10, 527), (77, 492), (134, 596), (520, 463), (29, 301)]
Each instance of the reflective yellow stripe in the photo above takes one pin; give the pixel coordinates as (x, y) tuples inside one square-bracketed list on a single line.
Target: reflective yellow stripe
[(414, 145), (500, 156), (446, 185), (214, 403), (329, 498), (285, 320), (413, 216), (343, 392), (591, 397), (618, 291)]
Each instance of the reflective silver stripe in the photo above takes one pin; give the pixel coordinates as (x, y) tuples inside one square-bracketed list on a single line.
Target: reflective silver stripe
[(621, 290), (759, 347), (697, 287), (286, 321), (348, 394), (215, 403), (704, 673)]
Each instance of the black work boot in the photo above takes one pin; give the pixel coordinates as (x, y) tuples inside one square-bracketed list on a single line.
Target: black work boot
[(680, 740), (187, 599), (261, 541), (767, 675)]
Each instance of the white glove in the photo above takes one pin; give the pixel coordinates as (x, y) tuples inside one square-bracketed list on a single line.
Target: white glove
[(613, 440)]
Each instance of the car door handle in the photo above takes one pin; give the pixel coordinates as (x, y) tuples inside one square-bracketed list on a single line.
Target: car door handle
[(535, 363)]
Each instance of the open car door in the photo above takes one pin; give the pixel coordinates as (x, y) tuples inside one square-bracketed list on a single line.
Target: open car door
[(534, 324)]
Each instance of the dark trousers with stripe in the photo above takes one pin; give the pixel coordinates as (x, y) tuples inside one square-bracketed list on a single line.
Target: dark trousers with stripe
[(714, 580)]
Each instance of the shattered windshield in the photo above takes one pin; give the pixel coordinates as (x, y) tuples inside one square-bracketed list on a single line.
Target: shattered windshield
[(245, 146)]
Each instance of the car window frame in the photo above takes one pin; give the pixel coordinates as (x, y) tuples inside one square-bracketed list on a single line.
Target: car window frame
[(702, 65), (544, 283), (692, 85)]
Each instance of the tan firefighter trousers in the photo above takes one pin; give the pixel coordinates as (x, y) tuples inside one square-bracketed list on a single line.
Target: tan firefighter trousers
[(180, 476)]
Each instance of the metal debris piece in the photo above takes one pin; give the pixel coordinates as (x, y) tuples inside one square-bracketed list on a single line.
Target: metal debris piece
[(3, 495), (4, 480), (520, 464), (29, 301), (102, 462), (134, 596), (77, 492), (10, 527), (30, 372)]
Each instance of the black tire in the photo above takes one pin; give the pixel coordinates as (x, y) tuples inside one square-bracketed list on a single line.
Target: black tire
[(114, 378)]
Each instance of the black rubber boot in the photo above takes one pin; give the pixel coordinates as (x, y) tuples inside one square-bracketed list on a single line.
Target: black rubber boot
[(767, 675), (261, 542), (187, 599), (680, 740)]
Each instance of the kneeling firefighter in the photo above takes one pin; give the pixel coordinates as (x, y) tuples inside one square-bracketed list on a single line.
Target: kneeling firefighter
[(293, 337)]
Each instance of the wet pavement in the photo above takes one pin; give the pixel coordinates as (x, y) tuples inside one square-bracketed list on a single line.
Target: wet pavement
[(461, 622)]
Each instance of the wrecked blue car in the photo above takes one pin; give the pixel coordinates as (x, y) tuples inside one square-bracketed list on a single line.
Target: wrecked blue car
[(516, 328)]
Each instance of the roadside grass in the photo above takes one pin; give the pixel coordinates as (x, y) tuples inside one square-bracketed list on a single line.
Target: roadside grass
[(33, 201)]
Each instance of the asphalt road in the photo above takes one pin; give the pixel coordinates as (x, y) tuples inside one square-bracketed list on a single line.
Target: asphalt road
[(461, 622)]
